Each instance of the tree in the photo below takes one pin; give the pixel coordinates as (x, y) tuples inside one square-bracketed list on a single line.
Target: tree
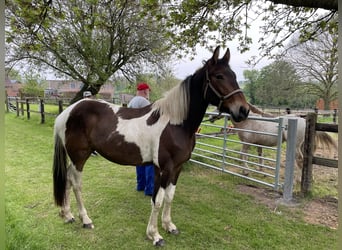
[(91, 40), (197, 22), (251, 77), (86, 40), (33, 85), (278, 85), (13, 74), (159, 83), (317, 62)]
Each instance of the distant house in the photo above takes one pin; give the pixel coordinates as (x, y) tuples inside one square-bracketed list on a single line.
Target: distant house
[(68, 89), (12, 87), (320, 104)]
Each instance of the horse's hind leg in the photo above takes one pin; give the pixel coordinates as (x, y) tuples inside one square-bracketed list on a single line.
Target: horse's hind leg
[(75, 178), (66, 210)]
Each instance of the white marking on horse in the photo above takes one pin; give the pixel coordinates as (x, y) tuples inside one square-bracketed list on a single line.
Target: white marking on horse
[(146, 137), (61, 120)]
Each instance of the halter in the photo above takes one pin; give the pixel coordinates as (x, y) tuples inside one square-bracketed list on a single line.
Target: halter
[(221, 97)]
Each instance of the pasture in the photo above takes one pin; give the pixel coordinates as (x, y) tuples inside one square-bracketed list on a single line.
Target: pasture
[(208, 208)]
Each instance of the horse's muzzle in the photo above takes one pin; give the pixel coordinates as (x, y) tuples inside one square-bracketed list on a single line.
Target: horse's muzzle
[(241, 115)]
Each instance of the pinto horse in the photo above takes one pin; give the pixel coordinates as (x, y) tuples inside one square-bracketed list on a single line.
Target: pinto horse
[(162, 133)]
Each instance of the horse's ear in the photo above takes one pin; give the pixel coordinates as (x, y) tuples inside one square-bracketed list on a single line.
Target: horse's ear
[(216, 55), (226, 56)]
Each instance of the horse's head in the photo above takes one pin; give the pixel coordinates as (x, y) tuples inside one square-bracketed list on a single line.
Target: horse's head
[(221, 88)]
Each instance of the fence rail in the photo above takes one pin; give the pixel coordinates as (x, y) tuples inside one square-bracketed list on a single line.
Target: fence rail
[(22, 106), (221, 150), (217, 156)]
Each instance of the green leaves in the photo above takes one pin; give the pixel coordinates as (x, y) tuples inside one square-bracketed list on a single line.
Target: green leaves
[(86, 40)]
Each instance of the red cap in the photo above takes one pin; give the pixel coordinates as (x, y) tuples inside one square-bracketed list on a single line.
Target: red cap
[(143, 86)]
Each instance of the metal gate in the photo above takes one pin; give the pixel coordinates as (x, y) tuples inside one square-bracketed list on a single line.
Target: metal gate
[(219, 147)]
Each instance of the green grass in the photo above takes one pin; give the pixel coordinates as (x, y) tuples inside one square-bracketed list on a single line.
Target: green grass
[(208, 210)]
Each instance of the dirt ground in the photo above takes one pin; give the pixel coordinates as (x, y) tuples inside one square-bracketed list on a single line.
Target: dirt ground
[(323, 211)]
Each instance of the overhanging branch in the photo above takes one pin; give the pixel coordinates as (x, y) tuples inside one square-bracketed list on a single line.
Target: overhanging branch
[(325, 4)]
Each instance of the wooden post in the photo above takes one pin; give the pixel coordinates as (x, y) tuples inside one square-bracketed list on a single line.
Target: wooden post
[(7, 102), (334, 115), (42, 113), (60, 106), (309, 141), (17, 106), (22, 108), (28, 109)]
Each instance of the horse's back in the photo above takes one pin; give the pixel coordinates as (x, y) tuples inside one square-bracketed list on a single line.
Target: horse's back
[(301, 124), (260, 127)]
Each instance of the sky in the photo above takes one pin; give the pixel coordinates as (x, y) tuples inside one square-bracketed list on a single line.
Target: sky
[(185, 67)]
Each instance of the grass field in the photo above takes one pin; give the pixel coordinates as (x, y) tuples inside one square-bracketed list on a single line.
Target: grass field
[(208, 209)]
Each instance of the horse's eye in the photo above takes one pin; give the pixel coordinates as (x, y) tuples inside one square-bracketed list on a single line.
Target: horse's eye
[(219, 77)]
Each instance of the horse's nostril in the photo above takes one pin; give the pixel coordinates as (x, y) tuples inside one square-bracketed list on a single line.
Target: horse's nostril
[(244, 112)]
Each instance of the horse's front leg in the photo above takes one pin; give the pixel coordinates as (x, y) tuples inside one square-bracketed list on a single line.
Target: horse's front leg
[(261, 159), (244, 158), (166, 215), (152, 227)]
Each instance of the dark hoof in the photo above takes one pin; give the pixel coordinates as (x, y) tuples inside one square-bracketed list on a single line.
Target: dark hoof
[(72, 220), (88, 226), (160, 243), (174, 232)]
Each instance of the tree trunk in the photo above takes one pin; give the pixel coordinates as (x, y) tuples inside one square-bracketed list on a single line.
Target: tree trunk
[(326, 104), (94, 89)]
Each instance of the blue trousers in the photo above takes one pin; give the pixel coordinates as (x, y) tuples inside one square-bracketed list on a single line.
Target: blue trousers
[(145, 179)]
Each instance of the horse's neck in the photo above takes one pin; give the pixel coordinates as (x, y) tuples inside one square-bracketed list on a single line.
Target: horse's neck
[(197, 106), (246, 124)]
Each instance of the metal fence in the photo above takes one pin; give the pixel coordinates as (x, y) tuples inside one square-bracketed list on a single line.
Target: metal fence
[(219, 147)]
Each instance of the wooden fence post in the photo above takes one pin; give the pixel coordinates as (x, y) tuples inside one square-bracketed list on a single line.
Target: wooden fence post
[(22, 108), (7, 103), (60, 106), (334, 115), (42, 113), (17, 106), (28, 109), (309, 140)]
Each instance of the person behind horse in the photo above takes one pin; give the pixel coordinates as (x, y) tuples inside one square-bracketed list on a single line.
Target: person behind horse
[(145, 173), (87, 94)]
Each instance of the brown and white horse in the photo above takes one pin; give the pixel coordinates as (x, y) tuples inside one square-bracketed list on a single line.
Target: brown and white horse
[(162, 133)]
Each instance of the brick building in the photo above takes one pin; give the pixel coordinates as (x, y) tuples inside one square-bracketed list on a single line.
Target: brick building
[(68, 89), (320, 104)]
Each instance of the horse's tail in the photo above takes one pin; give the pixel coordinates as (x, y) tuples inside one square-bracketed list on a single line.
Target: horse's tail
[(59, 171), (325, 140)]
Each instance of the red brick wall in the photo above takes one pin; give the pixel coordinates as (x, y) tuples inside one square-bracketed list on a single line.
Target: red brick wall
[(320, 104)]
